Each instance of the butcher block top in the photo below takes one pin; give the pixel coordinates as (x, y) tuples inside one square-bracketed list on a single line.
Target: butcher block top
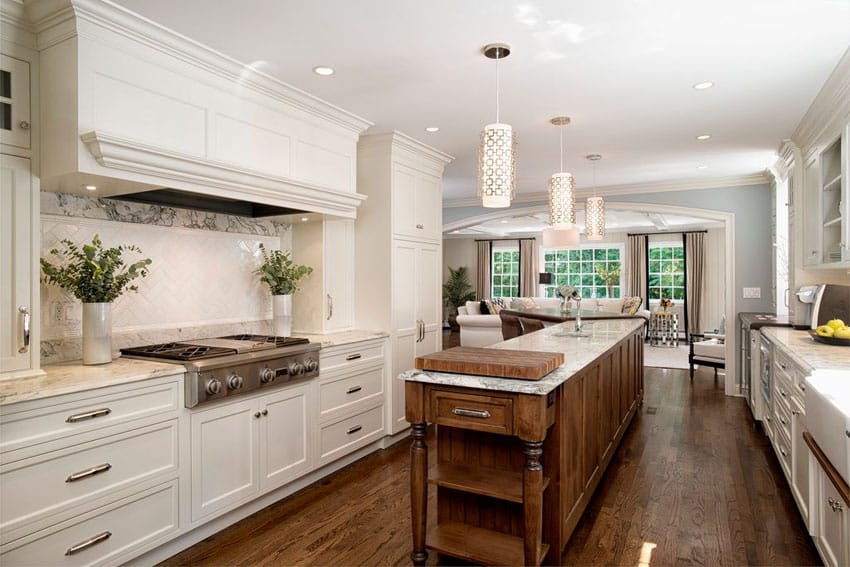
[(578, 353), (501, 363)]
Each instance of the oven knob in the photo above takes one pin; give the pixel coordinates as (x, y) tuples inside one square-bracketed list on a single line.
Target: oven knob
[(213, 386), (312, 365), (234, 382), (267, 375), (296, 368)]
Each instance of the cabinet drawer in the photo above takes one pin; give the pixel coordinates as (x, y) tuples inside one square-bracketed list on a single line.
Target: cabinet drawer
[(350, 355), (42, 486), (782, 445), (782, 418), (31, 423), (471, 411), (340, 438), (107, 535), (336, 394)]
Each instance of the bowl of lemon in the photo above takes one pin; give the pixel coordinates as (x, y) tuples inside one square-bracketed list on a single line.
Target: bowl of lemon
[(835, 333)]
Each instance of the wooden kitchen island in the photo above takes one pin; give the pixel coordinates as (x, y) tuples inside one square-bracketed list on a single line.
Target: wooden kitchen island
[(518, 461)]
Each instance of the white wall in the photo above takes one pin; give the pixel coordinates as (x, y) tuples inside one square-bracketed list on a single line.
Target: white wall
[(461, 252)]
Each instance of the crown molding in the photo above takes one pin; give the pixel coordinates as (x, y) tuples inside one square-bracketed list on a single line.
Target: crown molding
[(400, 140), (633, 189), (15, 24), (55, 21), (831, 104)]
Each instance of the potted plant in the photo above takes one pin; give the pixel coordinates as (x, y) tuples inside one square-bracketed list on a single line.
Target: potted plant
[(97, 276), (280, 273), (456, 291)]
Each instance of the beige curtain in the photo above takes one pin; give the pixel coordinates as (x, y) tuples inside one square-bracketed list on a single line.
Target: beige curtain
[(695, 276), (635, 268), (482, 289), (528, 268)]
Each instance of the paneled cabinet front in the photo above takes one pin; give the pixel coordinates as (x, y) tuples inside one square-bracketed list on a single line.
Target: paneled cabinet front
[(416, 203), (240, 449), (15, 124)]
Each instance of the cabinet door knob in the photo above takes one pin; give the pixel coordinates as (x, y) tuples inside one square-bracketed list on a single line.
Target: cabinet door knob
[(257, 415), (24, 125), (420, 226)]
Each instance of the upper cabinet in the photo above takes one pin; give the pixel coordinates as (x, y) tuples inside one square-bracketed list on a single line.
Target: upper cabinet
[(127, 100), (14, 102)]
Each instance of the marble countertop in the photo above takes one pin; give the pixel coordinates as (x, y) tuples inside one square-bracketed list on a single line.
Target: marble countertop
[(578, 353), (805, 352), (71, 377), (340, 338)]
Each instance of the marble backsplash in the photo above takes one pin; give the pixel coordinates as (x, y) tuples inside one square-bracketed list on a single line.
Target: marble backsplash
[(200, 282)]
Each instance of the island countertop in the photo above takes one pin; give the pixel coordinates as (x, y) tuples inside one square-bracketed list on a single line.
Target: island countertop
[(578, 353)]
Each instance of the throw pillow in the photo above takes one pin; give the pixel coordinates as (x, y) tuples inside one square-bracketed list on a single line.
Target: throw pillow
[(523, 303), (493, 306), (473, 308), (631, 304), (483, 307)]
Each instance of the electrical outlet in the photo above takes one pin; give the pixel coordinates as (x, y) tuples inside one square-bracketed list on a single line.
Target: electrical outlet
[(57, 312), (752, 293), (72, 312)]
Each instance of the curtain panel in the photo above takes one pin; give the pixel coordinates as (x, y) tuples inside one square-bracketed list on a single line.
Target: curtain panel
[(482, 289), (635, 267), (528, 267), (694, 278)]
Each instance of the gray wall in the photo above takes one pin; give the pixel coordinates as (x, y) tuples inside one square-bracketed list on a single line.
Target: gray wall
[(753, 244)]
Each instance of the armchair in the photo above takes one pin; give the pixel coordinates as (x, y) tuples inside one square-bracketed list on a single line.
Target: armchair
[(707, 350)]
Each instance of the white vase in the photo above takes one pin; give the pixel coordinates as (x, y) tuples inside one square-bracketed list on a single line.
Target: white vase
[(282, 315), (97, 333)]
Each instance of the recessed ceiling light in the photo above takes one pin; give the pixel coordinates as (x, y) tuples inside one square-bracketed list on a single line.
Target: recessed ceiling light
[(432, 129), (703, 136), (704, 85), (702, 167), (304, 219), (323, 71), (90, 187)]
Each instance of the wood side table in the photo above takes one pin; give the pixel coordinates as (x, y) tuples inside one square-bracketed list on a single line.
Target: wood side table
[(664, 329)]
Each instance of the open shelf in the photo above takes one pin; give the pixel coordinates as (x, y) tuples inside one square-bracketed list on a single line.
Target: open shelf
[(479, 545), (504, 485), (832, 222), (833, 183)]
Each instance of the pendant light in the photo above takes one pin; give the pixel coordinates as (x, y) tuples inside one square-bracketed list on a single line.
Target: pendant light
[(594, 208), (497, 149), (562, 202)]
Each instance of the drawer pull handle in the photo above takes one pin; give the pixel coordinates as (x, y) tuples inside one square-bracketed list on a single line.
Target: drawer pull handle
[(795, 412), (354, 389), (88, 543), (88, 415), (88, 472), (782, 392), (802, 386), (354, 429), (782, 419), (480, 414), (784, 454), (781, 365), (354, 356)]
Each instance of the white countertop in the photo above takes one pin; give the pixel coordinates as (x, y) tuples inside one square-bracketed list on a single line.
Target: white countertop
[(806, 352), (578, 353), (340, 338)]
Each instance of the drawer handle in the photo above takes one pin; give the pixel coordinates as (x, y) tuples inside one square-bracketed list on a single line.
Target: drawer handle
[(835, 504), (767, 417), (354, 429), (88, 472), (802, 386), (782, 420), (784, 454), (88, 415), (781, 365), (795, 412), (88, 543), (782, 392), (354, 356), (480, 414), (354, 389)]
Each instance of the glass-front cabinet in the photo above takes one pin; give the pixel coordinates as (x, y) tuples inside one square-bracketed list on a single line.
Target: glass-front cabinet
[(14, 102)]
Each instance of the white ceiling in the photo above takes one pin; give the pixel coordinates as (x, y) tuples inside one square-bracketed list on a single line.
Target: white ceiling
[(623, 70)]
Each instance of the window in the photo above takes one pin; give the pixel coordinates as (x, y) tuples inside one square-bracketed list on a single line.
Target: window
[(505, 272), (595, 272), (666, 271)]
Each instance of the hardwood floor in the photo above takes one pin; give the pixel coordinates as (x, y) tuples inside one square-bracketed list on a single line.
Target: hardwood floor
[(692, 483)]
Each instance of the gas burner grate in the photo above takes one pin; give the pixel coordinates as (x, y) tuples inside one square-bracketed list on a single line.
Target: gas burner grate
[(178, 351), (278, 341)]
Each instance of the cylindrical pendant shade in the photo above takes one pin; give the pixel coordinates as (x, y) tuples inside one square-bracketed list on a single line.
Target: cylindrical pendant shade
[(594, 218), (562, 199), (497, 166), (564, 237)]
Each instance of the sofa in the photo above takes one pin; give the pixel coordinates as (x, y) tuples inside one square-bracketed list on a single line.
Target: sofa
[(478, 330)]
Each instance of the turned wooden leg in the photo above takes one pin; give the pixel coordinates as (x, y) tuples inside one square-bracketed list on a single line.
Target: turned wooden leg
[(532, 497), (419, 492)]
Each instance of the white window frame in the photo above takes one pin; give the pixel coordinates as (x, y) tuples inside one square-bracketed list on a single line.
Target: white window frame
[(545, 291), (665, 244), (503, 246)]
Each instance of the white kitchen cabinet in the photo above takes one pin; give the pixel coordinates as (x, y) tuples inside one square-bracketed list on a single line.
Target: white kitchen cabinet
[(811, 253), (830, 525), (243, 448), (15, 102), (799, 480), (399, 253), (325, 300), (19, 241)]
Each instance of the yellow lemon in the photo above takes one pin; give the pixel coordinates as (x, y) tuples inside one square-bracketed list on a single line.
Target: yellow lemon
[(825, 331), (842, 333), (836, 324)]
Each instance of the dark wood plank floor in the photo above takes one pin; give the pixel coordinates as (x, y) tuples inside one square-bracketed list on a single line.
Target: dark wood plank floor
[(692, 483)]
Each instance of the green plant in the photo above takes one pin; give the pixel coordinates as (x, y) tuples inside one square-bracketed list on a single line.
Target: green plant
[(457, 290), (609, 276), (280, 273), (94, 274)]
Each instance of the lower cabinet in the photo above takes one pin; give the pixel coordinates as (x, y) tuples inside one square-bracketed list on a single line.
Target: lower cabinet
[(830, 525), (242, 448), (799, 480)]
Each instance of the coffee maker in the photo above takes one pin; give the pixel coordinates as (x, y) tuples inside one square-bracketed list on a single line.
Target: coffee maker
[(817, 304)]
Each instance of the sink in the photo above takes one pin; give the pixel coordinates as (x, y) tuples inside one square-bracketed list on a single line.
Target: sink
[(828, 416)]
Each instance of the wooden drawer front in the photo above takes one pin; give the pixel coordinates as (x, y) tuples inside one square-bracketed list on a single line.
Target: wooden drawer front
[(48, 423), (470, 411), (37, 487), (339, 393), (356, 354), (782, 418), (134, 524), (340, 438)]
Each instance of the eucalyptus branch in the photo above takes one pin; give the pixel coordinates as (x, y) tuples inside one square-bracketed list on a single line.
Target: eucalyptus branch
[(280, 273)]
